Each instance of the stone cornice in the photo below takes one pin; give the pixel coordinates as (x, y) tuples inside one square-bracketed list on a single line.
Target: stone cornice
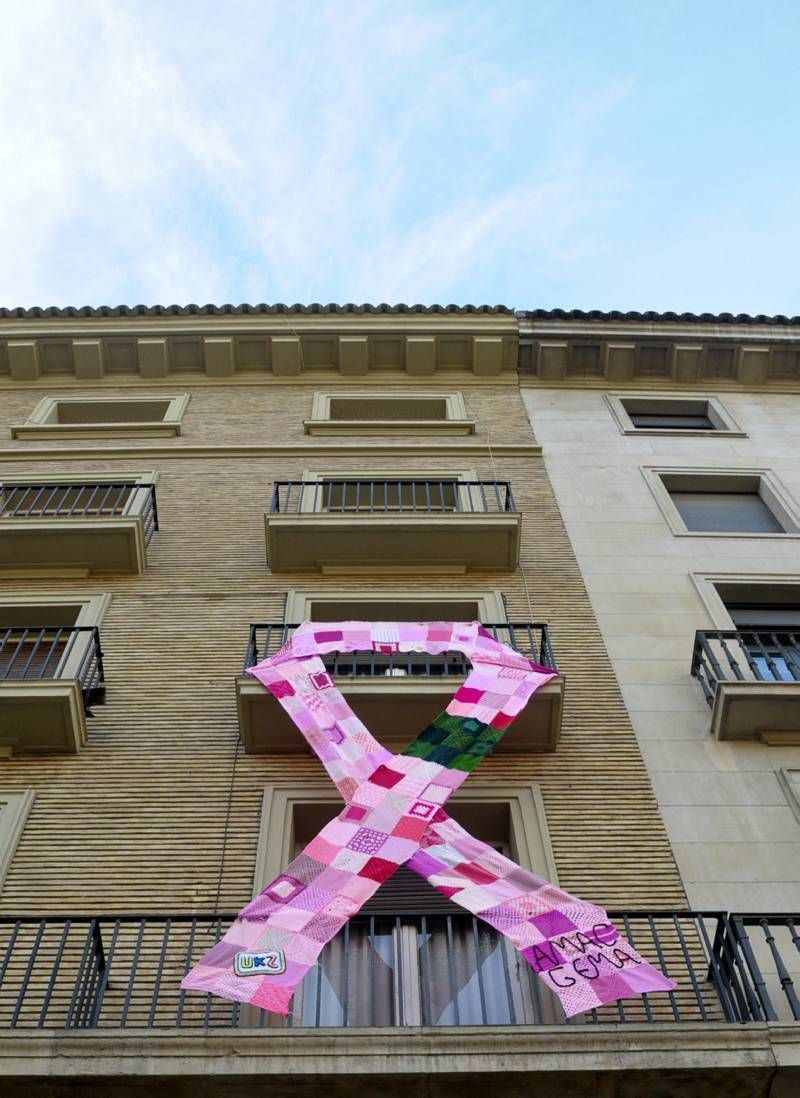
[(152, 347), (439, 449)]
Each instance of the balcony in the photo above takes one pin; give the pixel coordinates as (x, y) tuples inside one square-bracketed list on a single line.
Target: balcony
[(49, 678), (751, 680), (397, 694), (117, 972), (76, 528), (447, 525)]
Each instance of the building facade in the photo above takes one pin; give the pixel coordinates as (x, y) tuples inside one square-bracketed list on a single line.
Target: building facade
[(618, 497)]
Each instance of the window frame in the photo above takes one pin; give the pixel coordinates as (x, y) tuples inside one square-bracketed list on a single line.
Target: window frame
[(91, 613), (725, 426), (491, 607), (456, 421), (40, 425), (770, 489), (708, 584), (790, 787), (319, 476), (15, 807)]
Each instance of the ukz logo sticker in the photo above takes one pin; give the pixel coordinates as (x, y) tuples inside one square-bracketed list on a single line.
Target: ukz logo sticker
[(264, 962)]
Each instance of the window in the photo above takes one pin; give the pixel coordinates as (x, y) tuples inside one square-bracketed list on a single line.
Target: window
[(725, 512), (97, 417), (406, 413), (73, 526), (487, 606), (14, 808), (679, 421), (672, 415), (723, 502), (391, 967), (767, 615), (51, 670), (384, 491), (789, 781)]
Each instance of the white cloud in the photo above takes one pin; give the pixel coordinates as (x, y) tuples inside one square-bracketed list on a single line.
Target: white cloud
[(189, 152)]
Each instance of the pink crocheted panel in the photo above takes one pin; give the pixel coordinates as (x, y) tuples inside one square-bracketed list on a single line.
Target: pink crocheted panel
[(394, 815)]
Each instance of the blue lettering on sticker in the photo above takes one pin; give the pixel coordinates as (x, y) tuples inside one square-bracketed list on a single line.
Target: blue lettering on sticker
[(263, 962)]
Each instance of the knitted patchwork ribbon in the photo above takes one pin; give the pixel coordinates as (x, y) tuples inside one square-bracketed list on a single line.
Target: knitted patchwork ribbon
[(394, 816)]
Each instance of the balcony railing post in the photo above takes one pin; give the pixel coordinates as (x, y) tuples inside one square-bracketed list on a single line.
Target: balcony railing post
[(381, 495), (762, 649), (520, 636), (444, 969), (740, 936)]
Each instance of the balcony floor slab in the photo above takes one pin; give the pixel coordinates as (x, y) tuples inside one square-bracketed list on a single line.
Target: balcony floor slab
[(692, 1060), (395, 709)]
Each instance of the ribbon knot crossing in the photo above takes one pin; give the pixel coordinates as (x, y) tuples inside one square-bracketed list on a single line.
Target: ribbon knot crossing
[(394, 815)]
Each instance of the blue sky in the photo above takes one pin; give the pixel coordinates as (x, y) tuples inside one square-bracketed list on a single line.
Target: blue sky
[(582, 155)]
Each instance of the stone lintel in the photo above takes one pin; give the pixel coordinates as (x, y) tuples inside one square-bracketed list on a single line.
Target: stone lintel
[(218, 356), (420, 355), (752, 365), (552, 360), (152, 357), (487, 355), (620, 359), (23, 359), (287, 358), (687, 361), (353, 354), (89, 356)]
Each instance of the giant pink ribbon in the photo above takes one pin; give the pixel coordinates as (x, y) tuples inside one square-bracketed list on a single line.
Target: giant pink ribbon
[(394, 816)]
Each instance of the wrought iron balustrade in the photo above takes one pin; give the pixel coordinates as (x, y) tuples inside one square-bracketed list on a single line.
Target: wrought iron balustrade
[(382, 496), (113, 972), (81, 499), (531, 639), (765, 654), (54, 651)]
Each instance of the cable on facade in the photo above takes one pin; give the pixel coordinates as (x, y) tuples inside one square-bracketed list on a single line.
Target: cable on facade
[(226, 826)]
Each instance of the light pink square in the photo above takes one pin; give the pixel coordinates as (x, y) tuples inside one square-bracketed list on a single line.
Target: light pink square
[(351, 860)]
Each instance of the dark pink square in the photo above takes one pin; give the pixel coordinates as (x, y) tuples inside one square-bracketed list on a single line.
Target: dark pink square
[(354, 812), (476, 873), (280, 689), (377, 869), (385, 777), (502, 720)]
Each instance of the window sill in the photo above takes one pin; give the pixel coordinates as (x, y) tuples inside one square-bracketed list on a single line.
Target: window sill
[(389, 427), (94, 430), (675, 432)]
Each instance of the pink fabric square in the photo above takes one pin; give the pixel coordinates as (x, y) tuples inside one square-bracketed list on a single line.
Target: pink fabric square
[(321, 850)]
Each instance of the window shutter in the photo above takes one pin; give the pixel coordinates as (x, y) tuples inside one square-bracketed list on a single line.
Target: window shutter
[(726, 512)]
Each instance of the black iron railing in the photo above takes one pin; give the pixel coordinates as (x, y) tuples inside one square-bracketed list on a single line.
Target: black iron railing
[(758, 654), (531, 639), (52, 652), (124, 971), (381, 496), (81, 499)]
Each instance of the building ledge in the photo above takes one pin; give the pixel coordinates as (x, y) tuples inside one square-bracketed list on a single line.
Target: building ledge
[(759, 1059), (395, 709), (72, 546), (766, 711), (41, 716), (392, 543)]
